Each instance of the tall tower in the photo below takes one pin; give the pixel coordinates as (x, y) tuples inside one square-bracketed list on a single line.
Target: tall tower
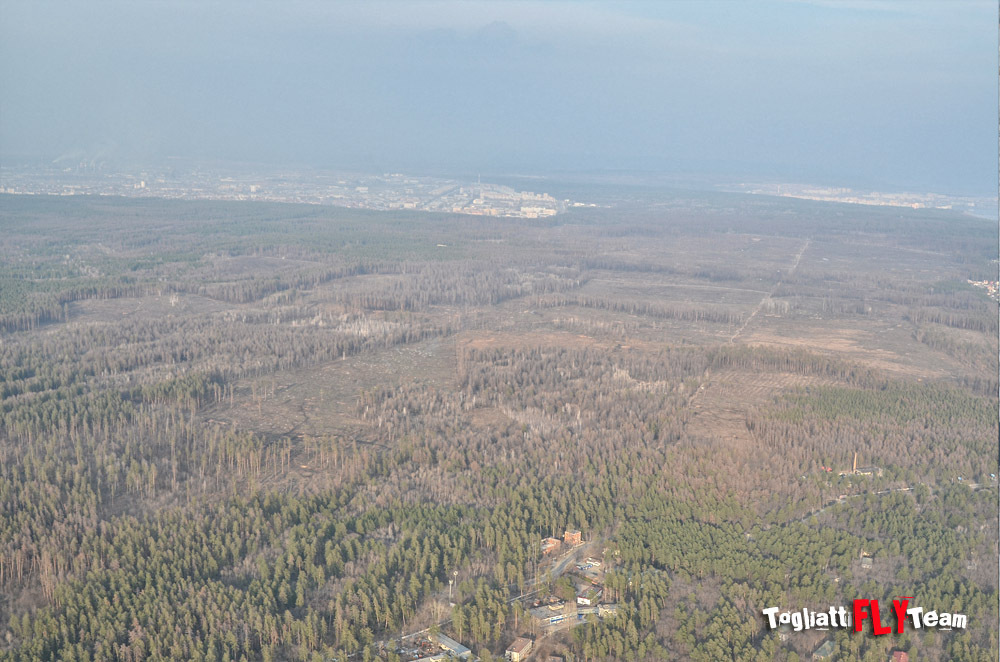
[(855, 470)]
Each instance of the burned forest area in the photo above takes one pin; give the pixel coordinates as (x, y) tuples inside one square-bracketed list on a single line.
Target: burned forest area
[(255, 431)]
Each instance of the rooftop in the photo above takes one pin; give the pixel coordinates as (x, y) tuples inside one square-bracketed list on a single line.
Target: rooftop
[(520, 646), (451, 645), (824, 651)]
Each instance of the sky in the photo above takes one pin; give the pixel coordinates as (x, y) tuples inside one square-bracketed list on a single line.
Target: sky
[(889, 95)]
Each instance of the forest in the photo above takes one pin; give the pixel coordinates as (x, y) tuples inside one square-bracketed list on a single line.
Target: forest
[(261, 431)]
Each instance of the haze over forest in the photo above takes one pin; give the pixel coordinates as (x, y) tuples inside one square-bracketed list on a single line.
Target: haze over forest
[(882, 95)]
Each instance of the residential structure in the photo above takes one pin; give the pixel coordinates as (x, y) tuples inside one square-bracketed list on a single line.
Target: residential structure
[(453, 647), (825, 651), (589, 596), (607, 610), (518, 651), (862, 471)]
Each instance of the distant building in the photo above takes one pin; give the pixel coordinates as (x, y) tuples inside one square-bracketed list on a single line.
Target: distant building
[(550, 615), (607, 610), (825, 651), (862, 471), (452, 646), (572, 537), (589, 597), (900, 656), (550, 545), (866, 562), (518, 651)]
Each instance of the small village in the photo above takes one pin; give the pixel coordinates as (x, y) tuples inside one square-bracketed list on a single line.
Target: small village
[(572, 595), (577, 596), (991, 287)]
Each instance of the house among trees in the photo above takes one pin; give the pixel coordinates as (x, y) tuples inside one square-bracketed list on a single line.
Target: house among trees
[(454, 648), (862, 471), (900, 656), (825, 651), (607, 610), (518, 651), (572, 537), (588, 596), (550, 545)]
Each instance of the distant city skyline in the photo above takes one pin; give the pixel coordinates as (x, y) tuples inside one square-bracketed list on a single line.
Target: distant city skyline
[(879, 96), (513, 196)]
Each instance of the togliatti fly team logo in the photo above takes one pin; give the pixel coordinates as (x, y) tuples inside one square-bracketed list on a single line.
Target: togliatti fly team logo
[(862, 610)]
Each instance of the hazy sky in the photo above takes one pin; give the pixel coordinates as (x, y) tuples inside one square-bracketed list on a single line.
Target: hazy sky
[(889, 94)]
